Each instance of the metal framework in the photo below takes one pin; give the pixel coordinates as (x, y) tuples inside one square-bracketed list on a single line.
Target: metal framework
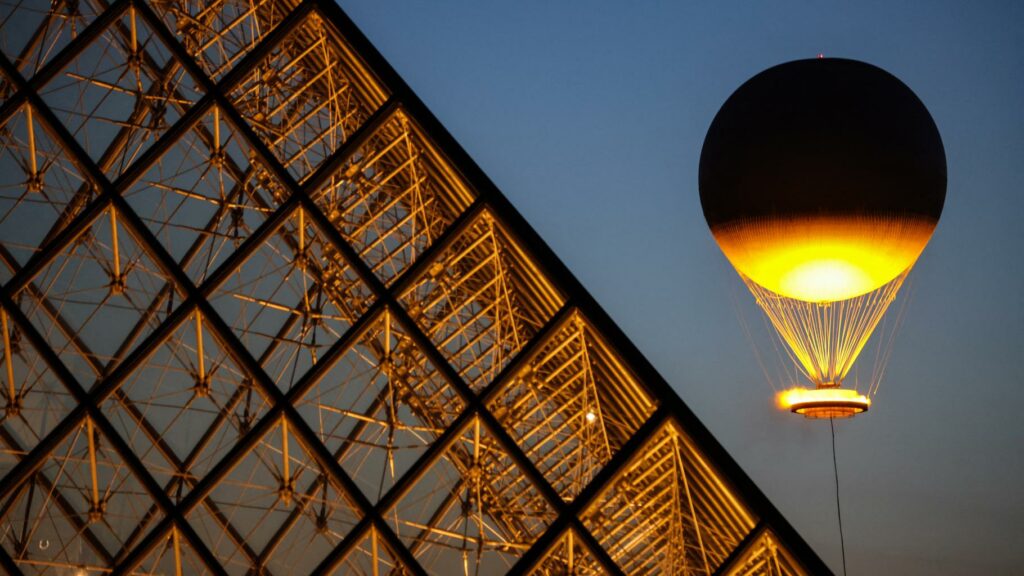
[(262, 315)]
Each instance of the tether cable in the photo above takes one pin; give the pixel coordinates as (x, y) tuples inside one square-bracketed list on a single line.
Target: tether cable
[(839, 509)]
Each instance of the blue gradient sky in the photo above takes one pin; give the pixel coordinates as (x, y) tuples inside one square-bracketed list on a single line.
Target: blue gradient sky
[(590, 117)]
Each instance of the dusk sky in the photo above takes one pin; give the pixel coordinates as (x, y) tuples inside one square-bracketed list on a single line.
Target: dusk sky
[(590, 117)]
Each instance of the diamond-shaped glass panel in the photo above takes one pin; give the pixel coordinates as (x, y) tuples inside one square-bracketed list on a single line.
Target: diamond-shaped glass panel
[(98, 298), (184, 408), (41, 191), (481, 300), (380, 406), (82, 508), (472, 506), (291, 299), (275, 509), (308, 96), (669, 512), (120, 93), (205, 195), (394, 197), (572, 406)]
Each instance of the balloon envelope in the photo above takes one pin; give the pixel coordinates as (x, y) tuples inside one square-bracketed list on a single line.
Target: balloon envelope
[(822, 179)]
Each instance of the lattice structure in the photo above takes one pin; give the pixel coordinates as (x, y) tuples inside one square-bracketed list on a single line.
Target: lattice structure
[(262, 315)]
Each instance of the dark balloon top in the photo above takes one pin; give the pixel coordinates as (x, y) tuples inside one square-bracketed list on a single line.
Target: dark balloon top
[(825, 136)]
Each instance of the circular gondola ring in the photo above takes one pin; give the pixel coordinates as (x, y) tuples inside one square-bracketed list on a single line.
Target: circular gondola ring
[(824, 402)]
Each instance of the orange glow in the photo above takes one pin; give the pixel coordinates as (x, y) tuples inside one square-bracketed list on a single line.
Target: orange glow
[(832, 402), (824, 258)]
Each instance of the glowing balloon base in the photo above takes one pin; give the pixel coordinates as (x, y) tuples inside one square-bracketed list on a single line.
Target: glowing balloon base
[(826, 402)]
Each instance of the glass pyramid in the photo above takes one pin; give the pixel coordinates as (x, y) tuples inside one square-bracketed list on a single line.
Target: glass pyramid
[(262, 315)]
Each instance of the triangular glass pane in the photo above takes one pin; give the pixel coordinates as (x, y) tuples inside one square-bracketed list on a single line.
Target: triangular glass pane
[(380, 406), (472, 507), (291, 299), (308, 96), (185, 407), (205, 195), (40, 189), (33, 32), (668, 511), (120, 93), (98, 298), (33, 400), (572, 406), (394, 197), (481, 300), (218, 33), (84, 507), (568, 557), (276, 509)]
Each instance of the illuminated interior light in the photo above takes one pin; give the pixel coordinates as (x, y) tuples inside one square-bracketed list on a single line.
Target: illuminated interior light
[(823, 402), (591, 417), (824, 259)]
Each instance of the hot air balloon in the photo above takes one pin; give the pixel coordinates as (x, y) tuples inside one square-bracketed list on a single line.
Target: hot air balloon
[(822, 181)]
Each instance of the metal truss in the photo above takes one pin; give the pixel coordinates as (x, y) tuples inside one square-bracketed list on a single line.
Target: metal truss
[(262, 315)]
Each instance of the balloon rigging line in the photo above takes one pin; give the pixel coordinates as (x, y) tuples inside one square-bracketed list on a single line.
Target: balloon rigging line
[(825, 338), (750, 339), (889, 337), (787, 361), (839, 508)]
